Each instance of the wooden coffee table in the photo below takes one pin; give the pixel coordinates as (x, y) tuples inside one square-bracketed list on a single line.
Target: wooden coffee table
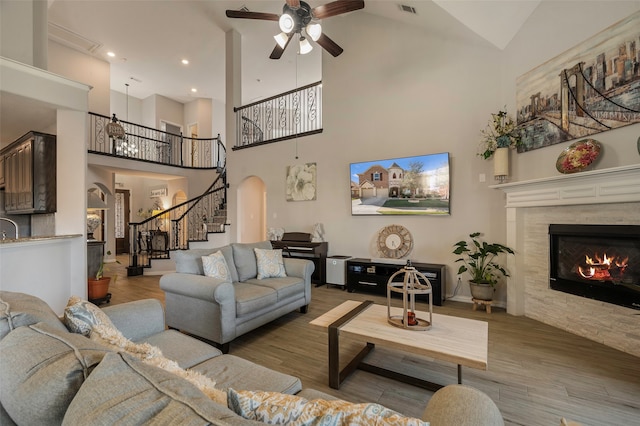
[(458, 340)]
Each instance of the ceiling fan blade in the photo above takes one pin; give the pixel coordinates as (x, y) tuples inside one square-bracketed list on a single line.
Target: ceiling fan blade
[(293, 4), (329, 45), (252, 15), (278, 51), (337, 7)]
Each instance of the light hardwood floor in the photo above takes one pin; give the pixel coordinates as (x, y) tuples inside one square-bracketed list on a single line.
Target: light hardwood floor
[(536, 375)]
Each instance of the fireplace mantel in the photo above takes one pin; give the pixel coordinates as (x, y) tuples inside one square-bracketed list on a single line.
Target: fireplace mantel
[(608, 186), (614, 185)]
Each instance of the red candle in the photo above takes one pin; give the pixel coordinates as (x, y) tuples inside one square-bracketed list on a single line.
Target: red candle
[(411, 318)]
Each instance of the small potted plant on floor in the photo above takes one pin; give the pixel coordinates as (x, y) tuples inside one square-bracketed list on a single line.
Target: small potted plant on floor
[(98, 289), (479, 260)]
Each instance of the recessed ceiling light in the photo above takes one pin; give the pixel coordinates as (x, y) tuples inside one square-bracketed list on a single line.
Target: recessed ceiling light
[(185, 61), (111, 54), (194, 90)]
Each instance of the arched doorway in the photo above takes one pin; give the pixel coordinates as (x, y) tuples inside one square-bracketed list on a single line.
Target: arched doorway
[(252, 210)]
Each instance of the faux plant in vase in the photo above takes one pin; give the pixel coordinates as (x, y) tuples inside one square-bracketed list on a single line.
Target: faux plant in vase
[(500, 135), (98, 286), (479, 259)]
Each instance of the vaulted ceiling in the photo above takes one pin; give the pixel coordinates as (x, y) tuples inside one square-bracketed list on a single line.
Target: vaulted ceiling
[(150, 38)]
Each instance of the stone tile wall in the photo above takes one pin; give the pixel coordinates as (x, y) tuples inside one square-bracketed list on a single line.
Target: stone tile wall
[(612, 325)]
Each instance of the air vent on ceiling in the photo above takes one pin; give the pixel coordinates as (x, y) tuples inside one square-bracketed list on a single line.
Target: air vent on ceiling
[(70, 39), (408, 9)]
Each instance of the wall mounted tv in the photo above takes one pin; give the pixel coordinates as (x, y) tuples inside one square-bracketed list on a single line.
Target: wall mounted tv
[(401, 186)]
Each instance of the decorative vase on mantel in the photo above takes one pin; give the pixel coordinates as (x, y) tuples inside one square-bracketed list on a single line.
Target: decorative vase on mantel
[(501, 164)]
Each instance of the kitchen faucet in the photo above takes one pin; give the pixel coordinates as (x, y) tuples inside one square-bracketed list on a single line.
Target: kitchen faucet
[(4, 233)]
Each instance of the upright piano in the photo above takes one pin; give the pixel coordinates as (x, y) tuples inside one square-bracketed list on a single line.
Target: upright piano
[(299, 245)]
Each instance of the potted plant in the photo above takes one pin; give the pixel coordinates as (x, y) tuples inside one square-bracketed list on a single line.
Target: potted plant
[(99, 285), (479, 260)]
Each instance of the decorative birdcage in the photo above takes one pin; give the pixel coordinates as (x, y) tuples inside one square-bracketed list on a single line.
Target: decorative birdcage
[(413, 283)]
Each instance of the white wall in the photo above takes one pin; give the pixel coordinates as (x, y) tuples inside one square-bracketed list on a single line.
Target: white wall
[(199, 111), (168, 110), (412, 94), (119, 107), (84, 69)]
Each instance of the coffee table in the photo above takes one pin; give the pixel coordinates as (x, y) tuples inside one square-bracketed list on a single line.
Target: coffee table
[(458, 340)]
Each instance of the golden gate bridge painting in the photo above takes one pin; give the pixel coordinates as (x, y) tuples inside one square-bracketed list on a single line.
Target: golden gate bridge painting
[(592, 88)]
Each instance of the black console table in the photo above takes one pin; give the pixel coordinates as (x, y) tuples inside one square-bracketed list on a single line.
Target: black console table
[(372, 276), (313, 251)]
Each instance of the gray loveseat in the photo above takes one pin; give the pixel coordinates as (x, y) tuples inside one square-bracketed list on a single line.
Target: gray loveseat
[(221, 310)]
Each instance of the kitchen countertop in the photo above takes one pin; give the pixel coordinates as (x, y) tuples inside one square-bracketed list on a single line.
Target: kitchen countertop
[(11, 241)]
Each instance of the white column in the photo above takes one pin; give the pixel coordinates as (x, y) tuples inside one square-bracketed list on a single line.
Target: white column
[(515, 266)]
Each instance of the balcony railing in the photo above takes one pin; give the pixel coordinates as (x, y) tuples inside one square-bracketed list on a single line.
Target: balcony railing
[(281, 117), (146, 144)]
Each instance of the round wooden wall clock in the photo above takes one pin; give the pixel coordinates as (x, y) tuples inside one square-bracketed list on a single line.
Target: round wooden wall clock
[(395, 241)]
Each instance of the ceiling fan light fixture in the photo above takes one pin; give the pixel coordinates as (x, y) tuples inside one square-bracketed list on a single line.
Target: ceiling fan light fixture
[(281, 39), (286, 23), (314, 30), (305, 46)]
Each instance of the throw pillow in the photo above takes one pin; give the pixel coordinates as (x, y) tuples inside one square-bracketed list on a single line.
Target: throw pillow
[(20, 309), (80, 316), (215, 266), (244, 258), (292, 410), (270, 263)]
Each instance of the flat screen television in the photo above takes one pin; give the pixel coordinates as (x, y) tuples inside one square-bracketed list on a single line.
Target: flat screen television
[(401, 186)]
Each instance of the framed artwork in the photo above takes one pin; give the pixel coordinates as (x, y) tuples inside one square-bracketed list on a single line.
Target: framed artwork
[(401, 186), (301, 182), (591, 88)]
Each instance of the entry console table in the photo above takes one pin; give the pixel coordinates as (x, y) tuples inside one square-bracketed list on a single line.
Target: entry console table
[(372, 276)]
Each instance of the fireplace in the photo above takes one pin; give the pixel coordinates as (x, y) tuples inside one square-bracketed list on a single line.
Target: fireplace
[(600, 262)]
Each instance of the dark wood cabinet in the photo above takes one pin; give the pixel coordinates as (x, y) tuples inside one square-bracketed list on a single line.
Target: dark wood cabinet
[(372, 276), (29, 172)]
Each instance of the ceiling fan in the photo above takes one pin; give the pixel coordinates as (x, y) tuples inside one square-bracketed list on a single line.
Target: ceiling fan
[(297, 16)]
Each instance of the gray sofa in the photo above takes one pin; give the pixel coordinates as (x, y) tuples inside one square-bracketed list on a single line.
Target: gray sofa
[(220, 310), (52, 376)]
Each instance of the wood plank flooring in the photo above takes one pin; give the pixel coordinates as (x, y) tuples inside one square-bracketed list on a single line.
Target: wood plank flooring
[(536, 374)]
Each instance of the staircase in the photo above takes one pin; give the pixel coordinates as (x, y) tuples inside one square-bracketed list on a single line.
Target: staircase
[(178, 226)]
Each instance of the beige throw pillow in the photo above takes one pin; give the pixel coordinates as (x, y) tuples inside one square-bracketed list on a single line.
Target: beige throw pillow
[(270, 263), (215, 266), (292, 410)]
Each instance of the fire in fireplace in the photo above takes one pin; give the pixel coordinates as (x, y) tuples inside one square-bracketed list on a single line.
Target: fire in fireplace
[(600, 262)]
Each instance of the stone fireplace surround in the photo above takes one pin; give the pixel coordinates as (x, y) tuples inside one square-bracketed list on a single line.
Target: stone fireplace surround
[(610, 196)]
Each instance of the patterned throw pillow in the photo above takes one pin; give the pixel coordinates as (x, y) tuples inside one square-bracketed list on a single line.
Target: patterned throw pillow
[(80, 316), (278, 408), (270, 263), (215, 266)]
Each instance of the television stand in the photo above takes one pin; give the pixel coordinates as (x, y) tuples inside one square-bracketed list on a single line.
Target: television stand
[(372, 275)]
